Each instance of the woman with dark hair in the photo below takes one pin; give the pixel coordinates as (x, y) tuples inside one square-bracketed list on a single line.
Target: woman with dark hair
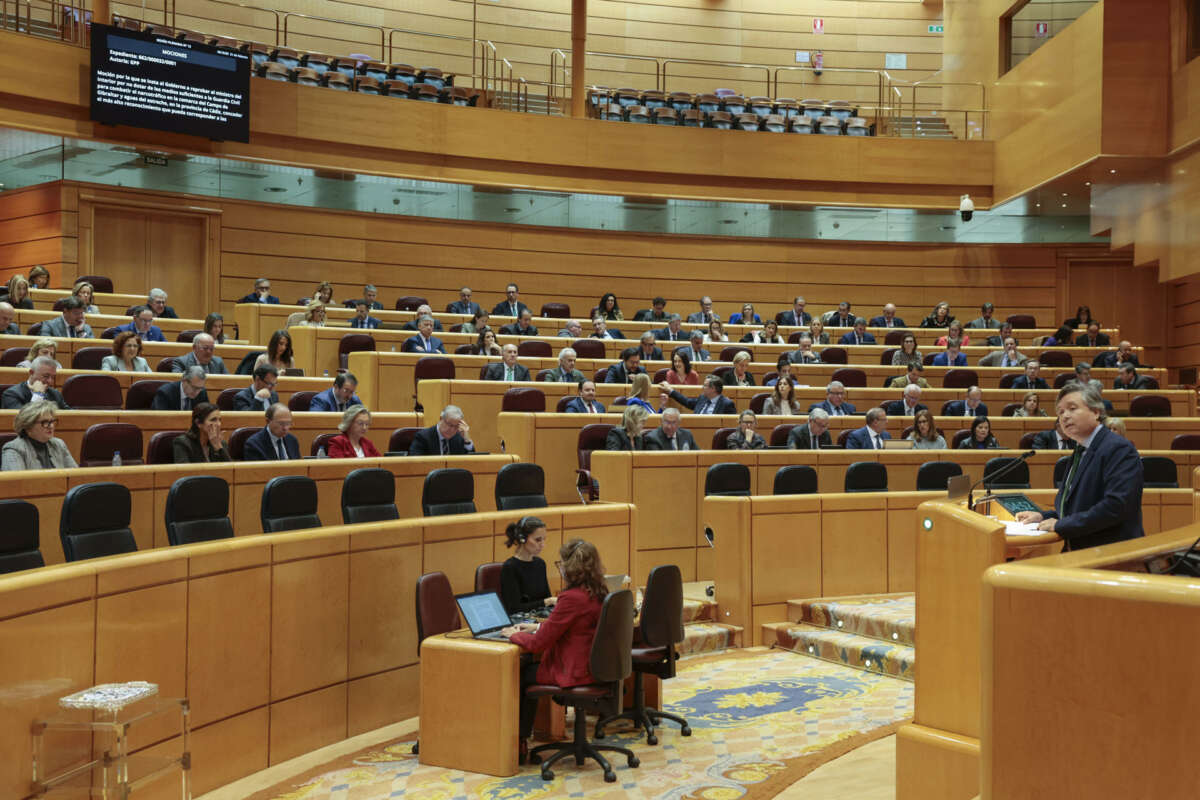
[(939, 318), (523, 584), (39, 277), (681, 371), (925, 434), (768, 335), (565, 638), (907, 353), (783, 399), (202, 442), (981, 436), (485, 344), (214, 326), (279, 352), (478, 323), (1083, 316), (608, 307), (126, 354), (1060, 338)]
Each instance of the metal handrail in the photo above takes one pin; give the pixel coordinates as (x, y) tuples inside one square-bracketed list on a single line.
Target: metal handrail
[(381, 29), (657, 66), (272, 11), (880, 92), (68, 19), (763, 67)]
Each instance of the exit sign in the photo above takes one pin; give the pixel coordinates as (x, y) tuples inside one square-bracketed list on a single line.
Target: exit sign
[(937, 28)]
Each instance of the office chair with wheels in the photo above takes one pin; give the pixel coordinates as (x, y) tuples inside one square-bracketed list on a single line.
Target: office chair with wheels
[(520, 485), (934, 475)]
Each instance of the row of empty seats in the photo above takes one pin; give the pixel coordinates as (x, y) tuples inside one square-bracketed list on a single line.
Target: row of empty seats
[(722, 100), (743, 121)]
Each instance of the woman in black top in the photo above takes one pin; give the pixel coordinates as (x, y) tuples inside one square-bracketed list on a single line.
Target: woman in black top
[(523, 584), (202, 442)]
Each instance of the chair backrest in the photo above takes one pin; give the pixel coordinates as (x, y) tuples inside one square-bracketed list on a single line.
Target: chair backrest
[(885, 358), (599, 375), (140, 394), (1159, 472), (866, 476), (727, 353), (1149, 405), (449, 490), (410, 303), (611, 659), (246, 365), (95, 521), (237, 441), (836, 355), (1055, 358), (13, 356), (520, 485), (895, 336), (721, 437), (795, 479), (289, 503), (300, 401), (1006, 381), (588, 348), (1186, 441), (226, 397), (35, 329), (1022, 321), (727, 479), (437, 612), (188, 336), (844, 437), (933, 475), (662, 608), (523, 399), (959, 437), (19, 544), (321, 440), (960, 379), (1009, 409), (487, 577), (198, 510), (535, 349), (850, 376), (160, 449), (98, 392), (354, 343), (780, 434), (759, 401), (434, 367), (401, 439), (165, 364), (102, 440), (89, 357), (556, 310), (591, 437), (1060, 470), (100, 283), (369, 495), (1026, 440), (1018, 478)]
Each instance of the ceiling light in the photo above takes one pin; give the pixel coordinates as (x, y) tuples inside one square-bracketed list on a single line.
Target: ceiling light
[(1112, 172), (1064, 194), (1087, 183)]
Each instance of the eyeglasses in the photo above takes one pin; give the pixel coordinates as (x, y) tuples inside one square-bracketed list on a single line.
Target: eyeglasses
[(47, 423)]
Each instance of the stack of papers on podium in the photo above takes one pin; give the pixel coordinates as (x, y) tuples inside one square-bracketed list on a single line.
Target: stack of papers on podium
[(1014, 528)]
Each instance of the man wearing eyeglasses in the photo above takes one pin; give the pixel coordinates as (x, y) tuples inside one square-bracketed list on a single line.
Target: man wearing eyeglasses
[(261, 293), (39, 386), (184, 395), (260, 395)]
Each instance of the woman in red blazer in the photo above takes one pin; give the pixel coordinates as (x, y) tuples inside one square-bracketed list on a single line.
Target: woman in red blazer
[(352, 442), (565, 639)]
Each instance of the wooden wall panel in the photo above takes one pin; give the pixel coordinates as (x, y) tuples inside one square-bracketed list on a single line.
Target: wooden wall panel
[(35, 228)]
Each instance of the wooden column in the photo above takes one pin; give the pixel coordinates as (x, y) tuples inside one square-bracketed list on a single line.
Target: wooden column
[(101, 13), (578, 57)]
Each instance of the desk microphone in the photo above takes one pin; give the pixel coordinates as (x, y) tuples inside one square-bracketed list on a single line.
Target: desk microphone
[(1007, 468)]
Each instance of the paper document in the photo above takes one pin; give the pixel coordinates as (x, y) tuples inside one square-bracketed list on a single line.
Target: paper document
[(1014, 528)]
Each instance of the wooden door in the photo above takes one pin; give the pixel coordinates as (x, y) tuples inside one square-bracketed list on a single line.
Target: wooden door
[(1122, 295)]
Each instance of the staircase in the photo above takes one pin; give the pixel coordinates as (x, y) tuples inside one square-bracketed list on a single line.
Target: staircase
[(702, 634), (874, 633), (921, 127), (538, 103)]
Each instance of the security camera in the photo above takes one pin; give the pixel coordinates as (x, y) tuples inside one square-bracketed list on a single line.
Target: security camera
[(966, 208)]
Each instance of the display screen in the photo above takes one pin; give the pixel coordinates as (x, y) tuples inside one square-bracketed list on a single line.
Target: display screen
[(1016, 503), (151, 81)]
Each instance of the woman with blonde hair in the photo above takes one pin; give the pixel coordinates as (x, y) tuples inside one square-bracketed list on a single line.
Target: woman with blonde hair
[(36, 447), (352, 442), (628, 436), (639, 391), (42, 347), (314, 315), (18, 293), (324, 293), (739, 375), (783, 399), (954, 331), (816, 329), (1030, 406), (85, 293)]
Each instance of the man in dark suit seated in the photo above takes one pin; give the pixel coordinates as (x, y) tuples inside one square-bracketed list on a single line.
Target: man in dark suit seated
[(565, 372), (913, 375), (796, 315), (7, 315), (804, 353), (600, 330), (142, 323), (630, 365), (705, 315), (202, 356), (261, 293), (275, 442), (338, 397), (712, 399), (835, 404), (814, 435), (888, 318), (859, 335), (997, 340), (464, 304), (1030, 379), (872, 435), (511, 305), (649, 351), (362, 318), (1127, 378), (260, 395), (572, 330), (38, 386), (840, 317), (522, 326), (1053, 439), (1100, 500), (156, 301), (508, 369), (674, 331), (695, 350), (69, 324), (451, 436), (973, 406), (1093, 337), (907, 405), (952, 356), (423, 310), (986, 318), (424, 341), (184, 395), (668, 435), (371, 295), (656, 314), (586, 402), (1115, 358)]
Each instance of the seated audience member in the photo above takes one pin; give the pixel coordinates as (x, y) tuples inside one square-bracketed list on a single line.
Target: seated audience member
[(314, 315), (41, 347), (841, 317), (324, 293), (783, 369), (816, 329), (371, 295), (1008, 356), (888, 318), (1114, 358), (39, 277), (352, 442), (261, 293), (451, 436), (1060, 338), (279, 352), (362, 318), (565, 372), (1083, 375), (872, 435), (814, 434), (511, 305), (782, 401), (939, 318), (768, 335), (478, 322), (84, 293), (711, 399), (202, 442), (260, 394), (907, 405), (954, 331), (338, 397), (157, 301), (925, 434), (657, 313), (705, 315), (126, 355), (911, 375), (39, 385), (608, 308), (1093, 337), (1053, 439), (1083, 316), (981, 436), (908, 351), (523, 584), (986, 318), (804, 353), (639, 393), (629, 366), (746, 436), (673, 332), (423, 310), (572, 330), (1116, 425), (508, 369), (36, 446), (668, 435), (997, 340), (1030, 379), (972, 406), (7, 315), (739, 375), (18, 293), (628, 435), (275, 442), (600, 330), (681, 372), (464, 304), (183, 395), (485, 344), (142, 323), (424, 341), (952, 356), (214, 326), (835, 404), (586, 402), (859, 335), (1127, 378), (201, 356), (746, 316), (70, 323), (648, 350), (694, 350), (1030, 406), (796, 316)]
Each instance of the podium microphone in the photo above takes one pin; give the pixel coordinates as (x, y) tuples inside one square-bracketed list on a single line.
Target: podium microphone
[(1007, 468)]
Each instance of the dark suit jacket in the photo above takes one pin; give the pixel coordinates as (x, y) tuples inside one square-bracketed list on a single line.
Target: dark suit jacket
[(253, 298), (723, 404), (495, 372), (154, 334), (613, 333), (576, 406), (860, 439), (827, 407), (618, 439), (411, 325), (425, 443), (1101, 340), (801, 438), (737, 441), (958, 408), (502, 309), (789, 318), (246, 401), (896, 408), (259, 447), (1046, 440), (1139, 382), (647, 315), (12, 329), (1105, 503), (729, 379), (832, 320), (848, 338), (616, 373), (664, 335), (656, 354), (556, 375), (459, 307), (657, 440), (1109, 359), (1023, 383), (881, 322), (168, 313), (168, 397), (362, 324), (19, 396), (943, 360), (186, 450), (414, 345), (325, 401), (513, 329), (800, 357)]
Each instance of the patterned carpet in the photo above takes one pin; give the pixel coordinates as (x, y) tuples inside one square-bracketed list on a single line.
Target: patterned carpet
[(758, 719)]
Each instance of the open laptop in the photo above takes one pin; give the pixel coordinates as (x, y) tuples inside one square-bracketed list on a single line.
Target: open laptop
[(615, 583), (484, 613)]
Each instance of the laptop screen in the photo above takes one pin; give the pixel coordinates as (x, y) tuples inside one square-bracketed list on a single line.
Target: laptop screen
[(483, 611)]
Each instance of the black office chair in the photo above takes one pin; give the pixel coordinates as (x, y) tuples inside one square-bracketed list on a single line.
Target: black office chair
[(1061, 468), (369, 495), (662, 629), (198, 510), (520, 485), (866, 476), (611, 663), (487, 577), (19, 545), (1158, 472), (450, 490), (934, 475), (95, 521), (289, 503), (727, 479), (796, 479), (1017, 478)]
